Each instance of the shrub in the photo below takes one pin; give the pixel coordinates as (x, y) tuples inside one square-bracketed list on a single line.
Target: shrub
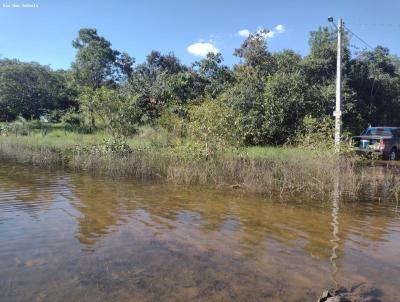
[(72, 119), (163, 138), (34, 124), (318, 135), (211, 124), (109, 147), (20, 126), (5, 129), (172, 122), (315, 134), (55, 116), (114, 108), (115, 146)]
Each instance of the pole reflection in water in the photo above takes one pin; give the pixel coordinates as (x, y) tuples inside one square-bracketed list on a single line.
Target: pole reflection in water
[(335, 227), (74, 237)]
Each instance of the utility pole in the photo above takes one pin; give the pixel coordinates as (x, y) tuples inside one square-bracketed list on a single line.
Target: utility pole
[(338, 111)]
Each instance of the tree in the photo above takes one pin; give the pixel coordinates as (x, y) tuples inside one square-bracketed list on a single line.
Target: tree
[(96, 62), (30, 90), (246, 96), (183, 89), (113, 107), (215, 77), (210, 125), (247, 101), (125, 65), (154, 80), (286, 61), (288, 99), (118, 111), (158, 63), (320, 65), (254, 53), (376, 81), (319, 70), (266, 94)]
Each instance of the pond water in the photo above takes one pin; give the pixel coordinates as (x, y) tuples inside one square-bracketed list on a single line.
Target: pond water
[(73, 237)]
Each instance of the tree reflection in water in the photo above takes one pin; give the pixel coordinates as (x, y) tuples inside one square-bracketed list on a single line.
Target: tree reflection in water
[(105, 239)]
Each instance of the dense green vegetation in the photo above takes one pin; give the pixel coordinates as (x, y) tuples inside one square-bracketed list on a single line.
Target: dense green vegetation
[(151, 155), (266, 99)]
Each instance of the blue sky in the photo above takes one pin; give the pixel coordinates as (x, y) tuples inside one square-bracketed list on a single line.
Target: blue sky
[(44, 34)]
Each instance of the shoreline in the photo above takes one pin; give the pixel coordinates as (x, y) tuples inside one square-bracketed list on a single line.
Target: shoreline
[(314, 176)]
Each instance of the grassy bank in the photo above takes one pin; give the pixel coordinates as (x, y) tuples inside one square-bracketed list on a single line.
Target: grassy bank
[(278, 171)]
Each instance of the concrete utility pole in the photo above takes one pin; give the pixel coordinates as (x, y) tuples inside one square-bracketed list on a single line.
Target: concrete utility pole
[(338, 111)]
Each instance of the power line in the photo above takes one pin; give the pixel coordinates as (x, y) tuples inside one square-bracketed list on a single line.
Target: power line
[(358, 37), (392, 25)]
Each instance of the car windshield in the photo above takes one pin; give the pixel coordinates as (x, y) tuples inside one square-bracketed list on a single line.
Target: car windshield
[(378, 132)]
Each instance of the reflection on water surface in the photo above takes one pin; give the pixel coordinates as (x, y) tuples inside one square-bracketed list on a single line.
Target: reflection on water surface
[(73, 237)]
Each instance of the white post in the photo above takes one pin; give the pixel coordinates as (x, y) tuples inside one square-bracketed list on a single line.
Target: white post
[(338, 111)]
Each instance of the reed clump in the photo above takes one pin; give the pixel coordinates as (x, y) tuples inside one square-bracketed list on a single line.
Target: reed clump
[(271, 171)]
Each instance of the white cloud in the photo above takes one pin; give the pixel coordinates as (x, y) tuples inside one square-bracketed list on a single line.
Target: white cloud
[(265, 33), (269, 34), (280, 28), (201, 49), (243, 33)]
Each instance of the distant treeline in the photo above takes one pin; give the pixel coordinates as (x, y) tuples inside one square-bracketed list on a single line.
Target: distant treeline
[(262, 100)]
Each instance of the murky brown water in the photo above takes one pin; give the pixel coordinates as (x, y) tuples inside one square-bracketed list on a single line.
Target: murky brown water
[(73, 237)]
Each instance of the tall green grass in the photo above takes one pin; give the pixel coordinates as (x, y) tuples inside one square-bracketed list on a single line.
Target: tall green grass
[(275, 171)]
